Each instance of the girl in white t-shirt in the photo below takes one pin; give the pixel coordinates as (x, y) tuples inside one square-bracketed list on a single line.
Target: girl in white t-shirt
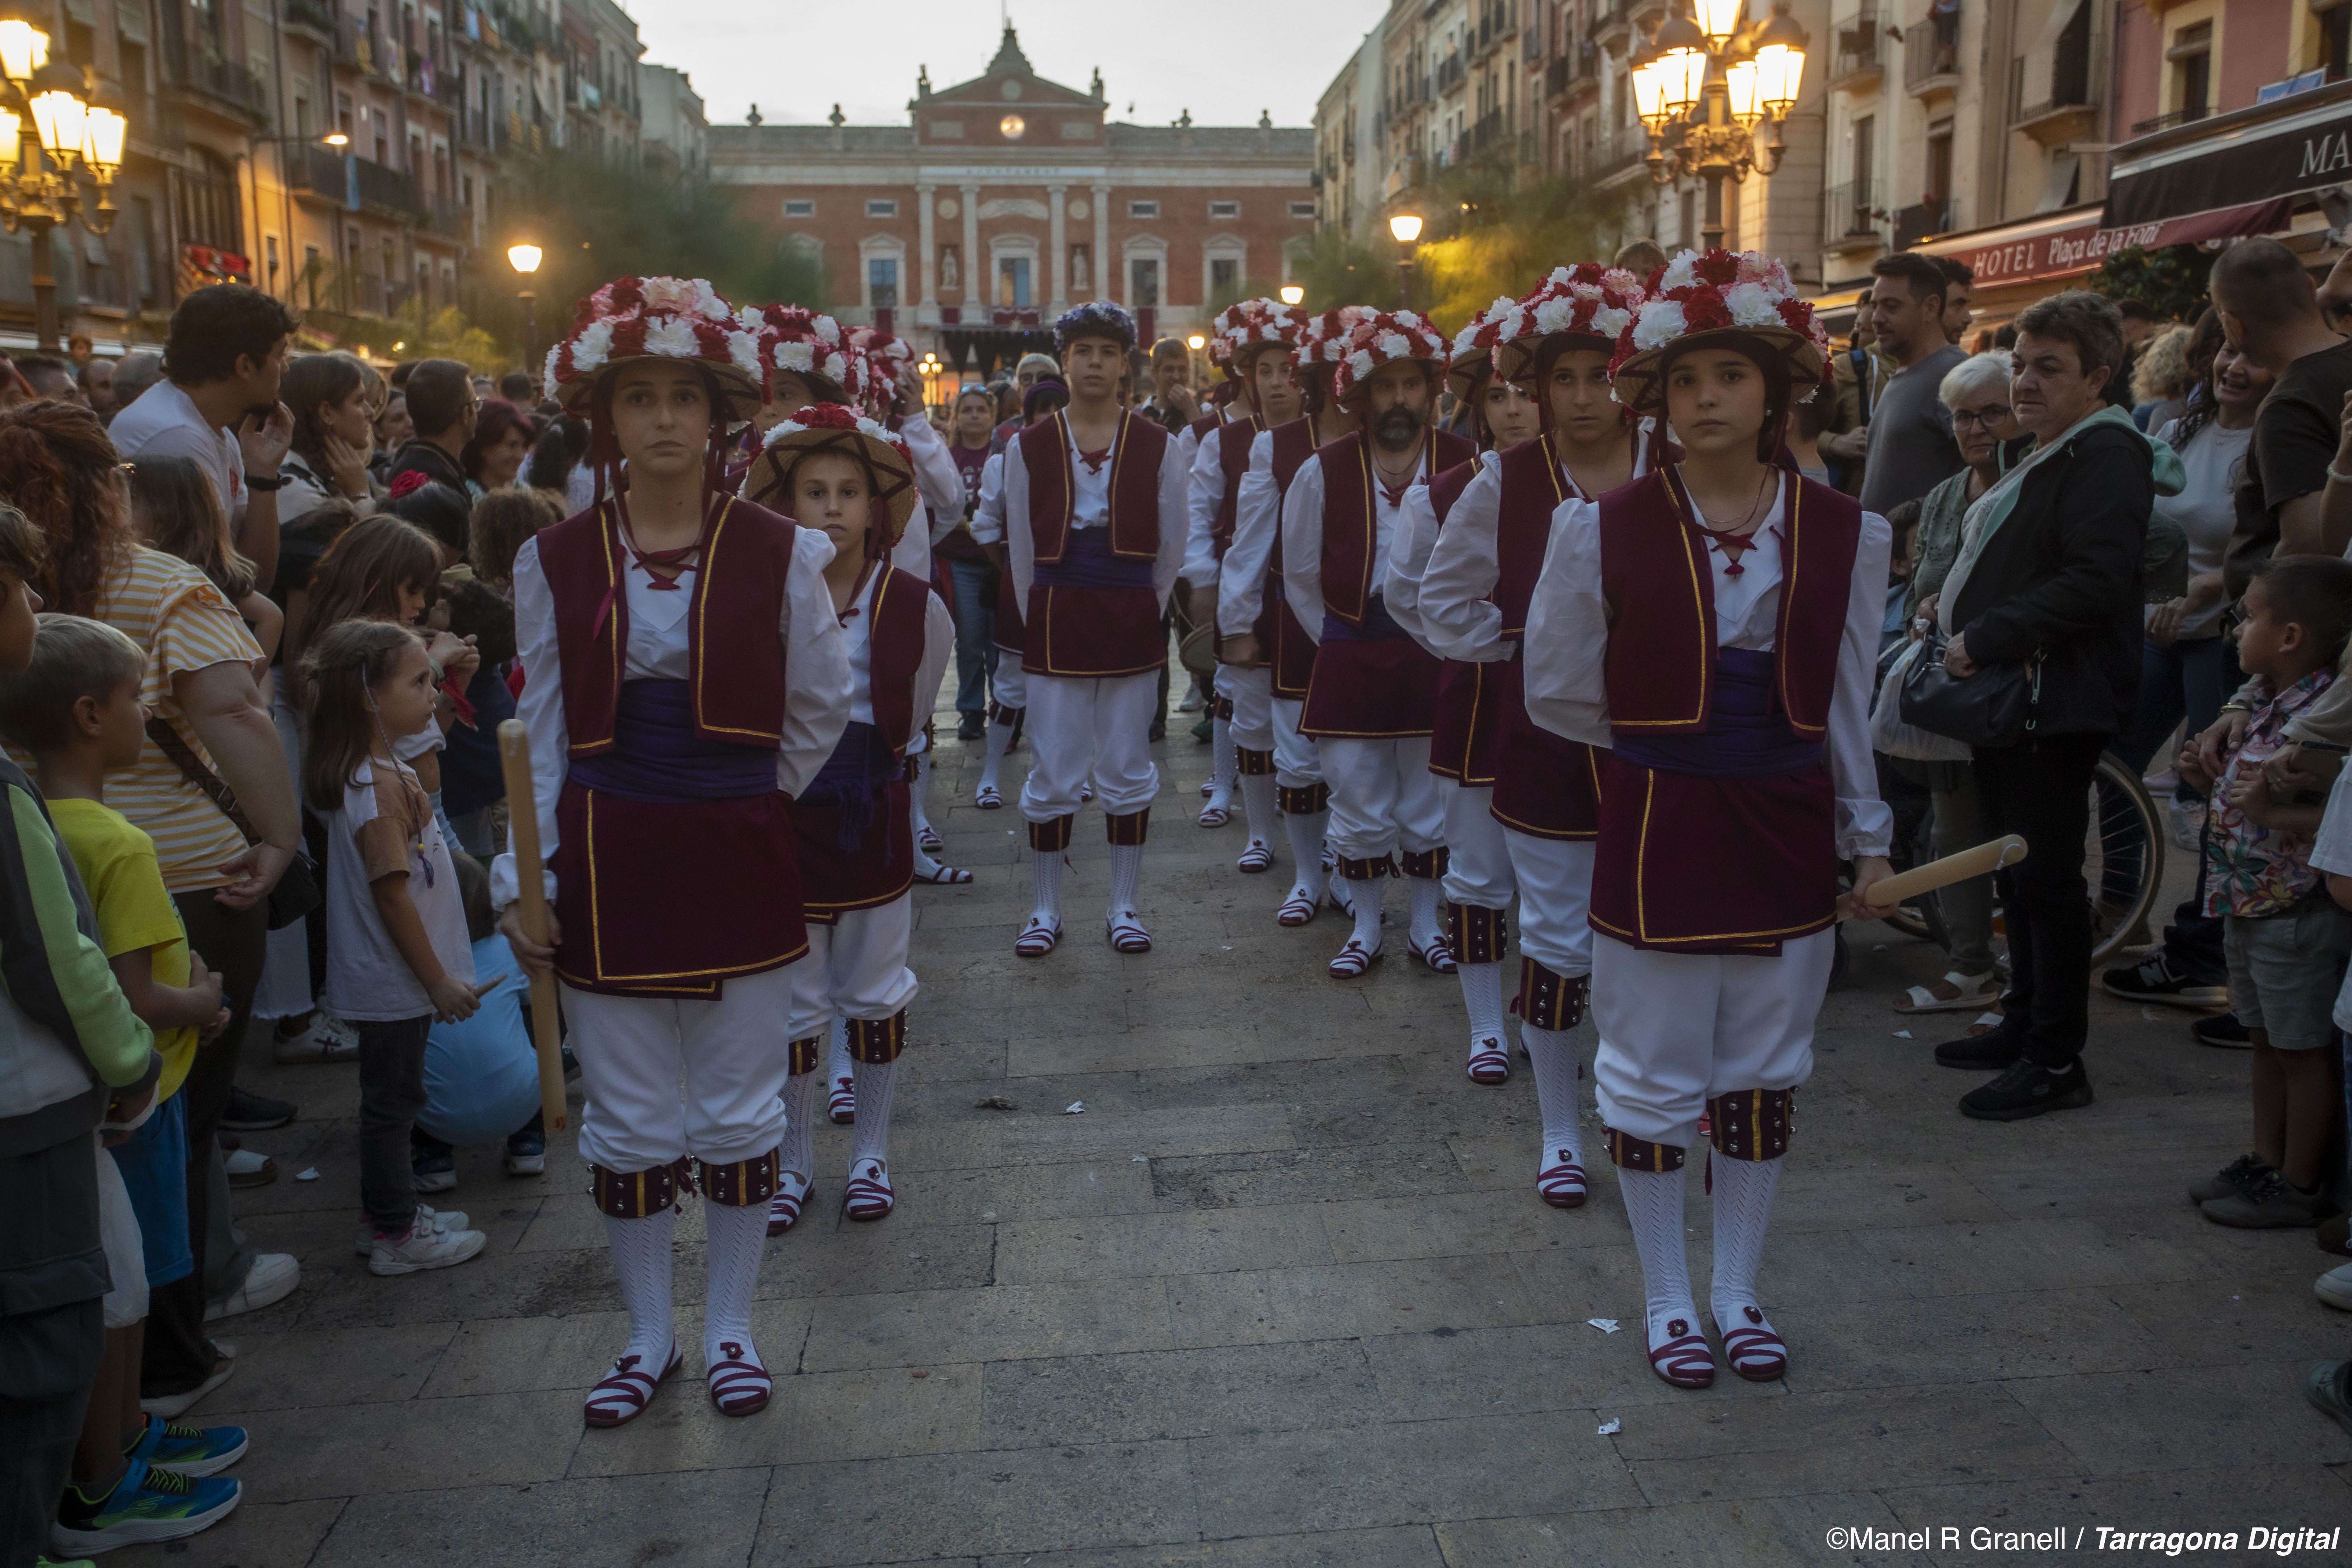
[(397, 954)]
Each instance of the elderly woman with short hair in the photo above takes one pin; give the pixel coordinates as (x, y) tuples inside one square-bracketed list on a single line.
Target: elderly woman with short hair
[(1976, 392), (2048, 580)]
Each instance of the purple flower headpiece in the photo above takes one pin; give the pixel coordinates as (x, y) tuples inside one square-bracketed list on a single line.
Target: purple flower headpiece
[(1096, 318)]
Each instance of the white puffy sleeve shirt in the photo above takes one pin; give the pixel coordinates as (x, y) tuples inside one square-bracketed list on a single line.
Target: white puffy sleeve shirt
[(936, 477), (1457, 620), (1205, 492), (1257, 523), (857, 647), (988, 516), (1090, 508), (817, 691), (1400, 585), (1567, 646)]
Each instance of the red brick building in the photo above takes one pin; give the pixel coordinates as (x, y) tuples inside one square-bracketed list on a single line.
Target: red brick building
[(1008, 198)]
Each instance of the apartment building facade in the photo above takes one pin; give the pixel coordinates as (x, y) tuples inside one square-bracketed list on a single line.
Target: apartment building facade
[(346, 155)]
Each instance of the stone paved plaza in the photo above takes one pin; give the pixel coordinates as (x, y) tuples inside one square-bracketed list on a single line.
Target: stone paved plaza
[(1283, 1293)]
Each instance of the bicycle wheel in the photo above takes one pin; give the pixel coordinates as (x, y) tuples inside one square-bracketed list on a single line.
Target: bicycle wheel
[(2122, 857)]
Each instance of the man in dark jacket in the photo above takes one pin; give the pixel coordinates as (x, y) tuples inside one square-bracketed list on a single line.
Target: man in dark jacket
[(2053, 588)]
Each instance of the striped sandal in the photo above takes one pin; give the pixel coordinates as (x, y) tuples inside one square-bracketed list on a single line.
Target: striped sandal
[(1038, 938), (1752, 1346), (1561, 1183), (1127, 932), (943, 875), (987, 798), (1216, 813), (1354, 959), (793, 1192), (841, 1103), (1258, 856), (1489, 1063), (1297, 909), (868, 1195), (1438, 955), (625, 1391), (740, 1385), (1683, 1358), (928, 837)]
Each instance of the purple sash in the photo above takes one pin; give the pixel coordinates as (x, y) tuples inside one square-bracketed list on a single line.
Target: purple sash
[(1378, 625), (657, 759), (1087, 562), (858, 772), (1745, 738)]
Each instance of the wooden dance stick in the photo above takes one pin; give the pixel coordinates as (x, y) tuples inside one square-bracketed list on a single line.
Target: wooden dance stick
[(2007, 850), (522, 838)]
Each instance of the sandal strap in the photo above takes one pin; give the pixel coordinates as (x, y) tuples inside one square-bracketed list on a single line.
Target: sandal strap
[(1037, 939), (1685, 1356), (628, 1386), (1298, 909)]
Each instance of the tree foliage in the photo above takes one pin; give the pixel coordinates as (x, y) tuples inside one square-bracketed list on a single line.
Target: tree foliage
[(2169, 280)]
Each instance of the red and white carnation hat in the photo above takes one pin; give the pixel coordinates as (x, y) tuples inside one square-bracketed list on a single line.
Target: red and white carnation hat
[(1732, 295), (1387, 338), (1242, 331), (810, 346), (681, 320), (1473, 346), (1323, 340), (1586, 301), (834, 427)]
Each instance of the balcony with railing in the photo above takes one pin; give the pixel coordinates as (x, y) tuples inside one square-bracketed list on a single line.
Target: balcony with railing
[(1487, 135), (219, 85), (317, 15), (1614, 156), (1931, 55), (1576, 71), (1923, 220), (341, 177), (1850, 216), (2167, 121), (1451, 72), (1857, 58), (2059, 103), (1612, 17)]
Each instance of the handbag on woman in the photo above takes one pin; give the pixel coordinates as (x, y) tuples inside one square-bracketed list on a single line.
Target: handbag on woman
[(1991, 709)]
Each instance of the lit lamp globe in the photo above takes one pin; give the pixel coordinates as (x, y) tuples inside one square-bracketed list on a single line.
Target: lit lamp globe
[(1405, 227), (1292, 294), (523, 259)]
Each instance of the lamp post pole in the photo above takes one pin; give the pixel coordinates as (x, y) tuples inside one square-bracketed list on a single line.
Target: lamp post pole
[(47, 328), (1405, 228), (524, 258)]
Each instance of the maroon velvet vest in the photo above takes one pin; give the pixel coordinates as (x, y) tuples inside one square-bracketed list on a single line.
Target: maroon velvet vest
[(1350, 527), (1655, 574), (1528, 489), (1202, 427), (1234, 440), (895, 656), (736, 678), (1136, 453)]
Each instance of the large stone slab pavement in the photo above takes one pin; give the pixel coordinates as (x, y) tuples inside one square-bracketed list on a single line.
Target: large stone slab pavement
[(1283, 1294)]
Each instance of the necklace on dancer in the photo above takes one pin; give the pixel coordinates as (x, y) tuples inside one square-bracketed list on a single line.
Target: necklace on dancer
[(1740, 537)]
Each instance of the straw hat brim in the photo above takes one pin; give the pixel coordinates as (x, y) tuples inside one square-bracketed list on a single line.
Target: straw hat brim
[(772, 469), (1521, 356), (739, 391), (1640, 381)]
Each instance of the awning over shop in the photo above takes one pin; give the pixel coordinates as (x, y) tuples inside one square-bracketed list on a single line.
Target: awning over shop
[(2272, 151), (2066, 244)]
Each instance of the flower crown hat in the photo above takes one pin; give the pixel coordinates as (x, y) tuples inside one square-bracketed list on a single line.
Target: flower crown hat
[(1095, 318), (1587, 301), (808, 345), (834, 427), (1323, 340), (1740, 299), (1242, 332), (679, 320), (1386, 337), (1472, 356)]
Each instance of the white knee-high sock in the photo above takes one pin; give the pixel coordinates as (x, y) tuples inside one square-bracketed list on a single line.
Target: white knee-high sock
[(1743, 1212), (1552, 1054), (876, 1080), (1653, 1204), (1428, 898), (1046, 878), (919, 785), (1482, 994), (641, 1261), (1000, 736), (837, 1063), (738, 1235), (1305, 830), (1257, 806), (1126, 874), (1222, 762), (1367, 895), (800, 1124)]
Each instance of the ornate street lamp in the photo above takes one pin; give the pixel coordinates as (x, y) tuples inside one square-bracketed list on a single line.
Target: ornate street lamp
[(54, 130), (1405, 228), (1704, 87), (524, 260), (1294, 293)]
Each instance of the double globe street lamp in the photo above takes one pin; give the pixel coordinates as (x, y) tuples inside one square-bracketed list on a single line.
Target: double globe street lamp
[(54, 129), (1705, 84)]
